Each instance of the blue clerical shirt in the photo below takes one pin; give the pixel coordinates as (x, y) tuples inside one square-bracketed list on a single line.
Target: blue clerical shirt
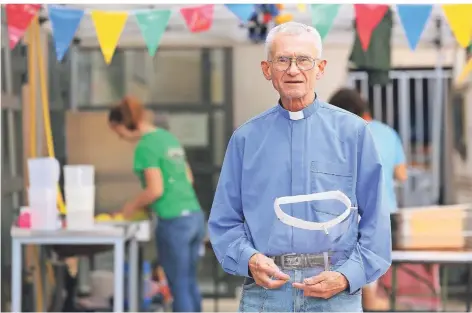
[(280, 153)]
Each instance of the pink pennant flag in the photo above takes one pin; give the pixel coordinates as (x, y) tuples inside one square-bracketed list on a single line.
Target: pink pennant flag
[(198, 19), (19, 17), (368, 17)]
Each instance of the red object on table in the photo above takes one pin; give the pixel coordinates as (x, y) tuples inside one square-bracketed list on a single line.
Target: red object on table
[(408, 286)]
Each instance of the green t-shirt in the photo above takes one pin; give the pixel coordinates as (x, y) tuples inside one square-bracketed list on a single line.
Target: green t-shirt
[(160, 149)]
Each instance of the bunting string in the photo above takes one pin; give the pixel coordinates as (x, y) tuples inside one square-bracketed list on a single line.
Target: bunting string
[(109, 25)]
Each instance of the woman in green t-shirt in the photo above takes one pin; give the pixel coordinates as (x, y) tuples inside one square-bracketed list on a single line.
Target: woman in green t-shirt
[(166, 179)]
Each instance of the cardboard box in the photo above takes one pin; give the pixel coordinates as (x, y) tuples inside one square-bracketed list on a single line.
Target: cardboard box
[(433, 228)]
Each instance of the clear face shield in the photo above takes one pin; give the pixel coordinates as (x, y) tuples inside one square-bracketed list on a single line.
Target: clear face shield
[(326, 225)]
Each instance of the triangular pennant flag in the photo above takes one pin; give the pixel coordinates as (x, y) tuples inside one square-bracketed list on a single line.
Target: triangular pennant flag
[(19, 17), (109, 26), (64, 23), (242, 11), (459, 17), (301, 7), (198, 19), (323, 16), (413, 17), (465, 72), (153, 24), (368, 16)]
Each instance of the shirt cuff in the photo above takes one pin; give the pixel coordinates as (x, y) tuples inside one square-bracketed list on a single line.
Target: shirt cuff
[(243, 266), (354, 273)]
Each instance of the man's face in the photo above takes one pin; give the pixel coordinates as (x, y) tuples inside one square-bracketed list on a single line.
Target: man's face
[(293, 82)]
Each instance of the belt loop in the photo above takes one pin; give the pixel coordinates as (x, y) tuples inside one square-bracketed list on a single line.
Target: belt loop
[(326, 260)]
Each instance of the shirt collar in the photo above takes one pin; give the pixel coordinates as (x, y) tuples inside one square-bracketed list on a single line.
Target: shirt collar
[(299, 115)]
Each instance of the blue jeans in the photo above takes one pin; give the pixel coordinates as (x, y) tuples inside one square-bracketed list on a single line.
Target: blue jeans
[(288, 299), (178, 244)]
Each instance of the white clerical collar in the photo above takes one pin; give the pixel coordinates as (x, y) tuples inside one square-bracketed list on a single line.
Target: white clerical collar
[(299, 115), (296, 115)]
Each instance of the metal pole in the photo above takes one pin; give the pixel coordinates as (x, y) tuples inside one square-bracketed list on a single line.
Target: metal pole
[(12, 149), (74, 81), (437, 117)]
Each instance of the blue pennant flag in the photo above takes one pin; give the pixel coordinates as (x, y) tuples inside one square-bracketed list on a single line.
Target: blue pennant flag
[(413, 18), (242, 11), (64, 22)]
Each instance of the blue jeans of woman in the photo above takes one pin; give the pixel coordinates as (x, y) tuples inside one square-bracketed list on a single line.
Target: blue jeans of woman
[(289, 299), (178, 244)]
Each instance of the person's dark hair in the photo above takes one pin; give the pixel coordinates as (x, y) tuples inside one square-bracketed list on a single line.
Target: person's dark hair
[(128, 112), (349, 100)]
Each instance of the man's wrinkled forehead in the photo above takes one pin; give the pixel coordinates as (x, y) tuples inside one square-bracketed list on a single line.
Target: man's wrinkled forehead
[(294, 45)]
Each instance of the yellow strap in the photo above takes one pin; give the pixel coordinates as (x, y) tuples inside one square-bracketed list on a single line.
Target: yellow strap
[(46, 116)]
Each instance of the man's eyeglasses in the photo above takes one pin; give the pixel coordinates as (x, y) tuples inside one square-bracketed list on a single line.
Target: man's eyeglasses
[(282, 64)]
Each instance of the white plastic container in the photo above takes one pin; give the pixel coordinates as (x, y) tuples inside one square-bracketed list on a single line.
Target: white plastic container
[(43, 208), (80, 204), (43, 172), (79, 175)]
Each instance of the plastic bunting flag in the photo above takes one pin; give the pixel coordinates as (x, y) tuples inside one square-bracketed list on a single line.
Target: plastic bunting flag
[(465, 72), (413, 17), (459, 17), (19, 17), (368, 17), (109, 26), (198, 19), (301, 7), (64, 24), (323, 16), (153, 25), (242, 11)]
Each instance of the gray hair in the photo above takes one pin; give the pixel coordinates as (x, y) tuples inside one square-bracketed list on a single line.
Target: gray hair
[(293, 29)]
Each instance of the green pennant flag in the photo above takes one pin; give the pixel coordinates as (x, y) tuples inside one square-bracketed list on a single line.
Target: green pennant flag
[(153, 24), (322, 17)]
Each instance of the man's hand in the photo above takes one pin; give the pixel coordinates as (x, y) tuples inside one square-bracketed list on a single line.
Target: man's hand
[(325, 285), (266, 273)]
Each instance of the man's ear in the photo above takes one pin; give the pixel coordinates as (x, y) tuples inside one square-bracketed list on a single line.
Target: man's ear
[(321, 69), (266, 71)]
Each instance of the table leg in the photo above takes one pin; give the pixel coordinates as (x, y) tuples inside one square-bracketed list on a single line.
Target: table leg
[(468, 295), (119, 261), (133, 276), (16, 277), (42, 275), (444, 287), (393, 294)]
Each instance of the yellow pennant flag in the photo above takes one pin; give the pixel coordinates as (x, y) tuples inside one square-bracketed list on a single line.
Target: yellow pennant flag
[(301, 7), (459, 17), (109, 26), (465, 72)]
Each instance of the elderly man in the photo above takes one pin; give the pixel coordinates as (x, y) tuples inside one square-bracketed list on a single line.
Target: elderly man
[(301, 146)]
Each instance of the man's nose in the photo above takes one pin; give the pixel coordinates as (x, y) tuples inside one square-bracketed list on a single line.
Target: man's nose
[(293, 68)]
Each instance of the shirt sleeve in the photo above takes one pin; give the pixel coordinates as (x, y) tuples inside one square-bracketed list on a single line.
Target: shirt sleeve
[(146, 157), (226, 228), (399, 152), (371, 257)]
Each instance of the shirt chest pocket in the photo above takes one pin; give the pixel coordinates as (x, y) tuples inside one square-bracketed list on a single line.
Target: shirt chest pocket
[(327, 176)]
